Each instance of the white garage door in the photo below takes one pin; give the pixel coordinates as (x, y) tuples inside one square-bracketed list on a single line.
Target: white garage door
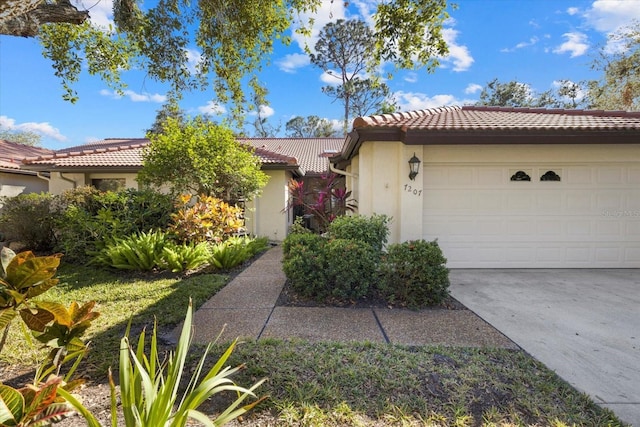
[(483, 217)]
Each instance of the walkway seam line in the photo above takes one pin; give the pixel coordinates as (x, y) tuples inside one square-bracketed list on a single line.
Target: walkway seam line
[(266, 322), (384, 333)]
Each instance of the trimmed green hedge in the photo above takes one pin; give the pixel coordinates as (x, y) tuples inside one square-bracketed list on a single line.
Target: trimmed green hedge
[(350, 265)]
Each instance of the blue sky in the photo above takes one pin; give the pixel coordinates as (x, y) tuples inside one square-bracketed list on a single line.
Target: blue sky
[(537, 42)]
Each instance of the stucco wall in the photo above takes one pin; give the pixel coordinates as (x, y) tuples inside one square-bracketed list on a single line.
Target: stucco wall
[(383, 187), (264, 215), (61, 182), (12, 184)]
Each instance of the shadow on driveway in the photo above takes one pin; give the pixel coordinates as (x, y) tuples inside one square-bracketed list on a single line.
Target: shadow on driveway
[(582, 323)]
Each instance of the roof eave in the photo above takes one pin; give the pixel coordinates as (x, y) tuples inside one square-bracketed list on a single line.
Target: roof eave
[(520, 136)]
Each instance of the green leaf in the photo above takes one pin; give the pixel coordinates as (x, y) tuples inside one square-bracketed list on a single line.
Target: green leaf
[(6, 316), (11, 405), (78, 406), (60, 313), (26, 270)]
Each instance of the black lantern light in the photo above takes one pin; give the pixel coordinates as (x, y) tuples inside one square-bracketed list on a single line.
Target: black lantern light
[(414, 167)]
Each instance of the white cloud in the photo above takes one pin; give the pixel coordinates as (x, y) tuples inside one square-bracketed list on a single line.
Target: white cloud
[(410, 101), (458, 54), (193, 60), (610, 15), (573, 11), (134, 96), (290, 63), (331, 78), (327, 12), (42, 128), (100, 12), (576, 44), (265, 111), (532, 41), (472, 88), (411, 77), (212, 108)]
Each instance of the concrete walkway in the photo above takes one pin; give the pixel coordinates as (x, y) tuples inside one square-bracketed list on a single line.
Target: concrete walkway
[(246, 308), (583, 326), (582, 323)]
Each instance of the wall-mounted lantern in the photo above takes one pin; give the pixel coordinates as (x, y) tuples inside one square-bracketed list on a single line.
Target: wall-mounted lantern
[(414, 167)]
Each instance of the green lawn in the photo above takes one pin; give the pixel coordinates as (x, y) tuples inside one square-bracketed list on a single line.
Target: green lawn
[(324, 384)]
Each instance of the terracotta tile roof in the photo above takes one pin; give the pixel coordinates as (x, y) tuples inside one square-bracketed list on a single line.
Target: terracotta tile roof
[(12, 153), (124, 153), (311, 153), (500, 118), (111, 153)]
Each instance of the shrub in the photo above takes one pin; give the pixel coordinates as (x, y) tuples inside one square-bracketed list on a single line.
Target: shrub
[(414, 274), (225, 256), (236, 250), (304, 265), (351, 268), (186, 256), (257, 244), (140, 251), (28, 218), (373, 230), (88, 218), (207, 220)]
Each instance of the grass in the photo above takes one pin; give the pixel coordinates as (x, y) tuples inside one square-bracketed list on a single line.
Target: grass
[(331, 384), (119, 297), (324, 383)]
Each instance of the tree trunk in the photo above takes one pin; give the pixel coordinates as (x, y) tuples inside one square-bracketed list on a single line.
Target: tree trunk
[(24, 17)]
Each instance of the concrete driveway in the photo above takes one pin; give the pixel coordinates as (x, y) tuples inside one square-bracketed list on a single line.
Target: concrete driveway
[(584, 324)]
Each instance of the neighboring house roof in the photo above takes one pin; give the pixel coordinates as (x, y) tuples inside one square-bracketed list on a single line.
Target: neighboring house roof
[(126, 154), (12, 154), (496, 125), (311, 153)]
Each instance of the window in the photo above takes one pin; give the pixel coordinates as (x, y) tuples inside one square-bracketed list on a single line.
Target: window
[(550, 176), (520, 176), (108, 184)]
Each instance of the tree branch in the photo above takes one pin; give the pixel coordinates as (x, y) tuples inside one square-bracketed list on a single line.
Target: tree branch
[(24, 20)]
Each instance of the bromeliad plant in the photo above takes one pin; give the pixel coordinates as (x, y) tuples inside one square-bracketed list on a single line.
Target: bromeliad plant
[(324, 203), (150, 388)]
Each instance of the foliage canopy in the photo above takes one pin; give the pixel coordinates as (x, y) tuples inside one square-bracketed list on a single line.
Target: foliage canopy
[(232, 40), (619, 87), (201, 157)]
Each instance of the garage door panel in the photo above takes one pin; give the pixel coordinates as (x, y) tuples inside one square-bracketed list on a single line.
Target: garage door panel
[(632, 256), (578, 254), (578, 175), (579, 201), (591, 218)]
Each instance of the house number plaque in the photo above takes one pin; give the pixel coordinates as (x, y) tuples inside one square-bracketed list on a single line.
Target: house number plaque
[(409, 189)]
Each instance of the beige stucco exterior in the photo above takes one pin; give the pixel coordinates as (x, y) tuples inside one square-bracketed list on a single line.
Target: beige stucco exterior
[(60, 182), (264, 215), (13, 184), (381, 183)]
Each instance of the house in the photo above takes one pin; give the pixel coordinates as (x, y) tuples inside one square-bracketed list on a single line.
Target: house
[(114, 163), (503, 187), (13, 179)]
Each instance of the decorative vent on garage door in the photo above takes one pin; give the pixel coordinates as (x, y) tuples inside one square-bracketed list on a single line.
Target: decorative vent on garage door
[(520, 176), (550, 176)]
